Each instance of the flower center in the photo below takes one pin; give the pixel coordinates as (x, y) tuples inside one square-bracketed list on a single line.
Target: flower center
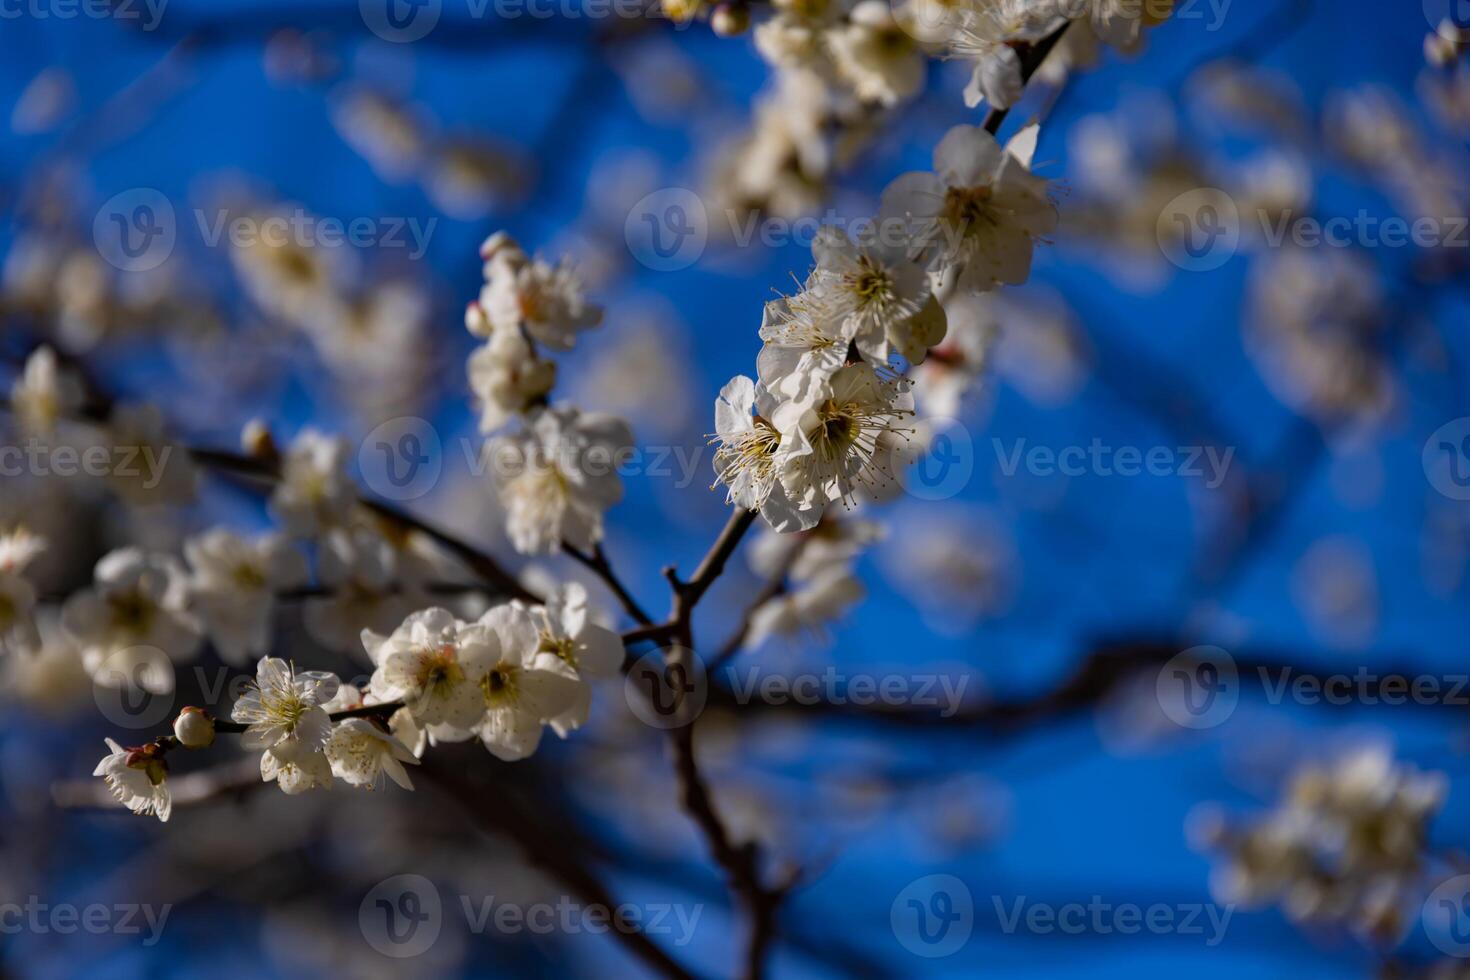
[(562, 646), (499, 685), (249, 577), (871, 282), (441, 673), (130, 611), (966, 207)]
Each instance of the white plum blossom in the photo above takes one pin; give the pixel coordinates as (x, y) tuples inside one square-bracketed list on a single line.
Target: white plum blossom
[(296, 773), (831, 542), (591, 650), (558, 475), (873, 54), (45, 393), (507, 378), (985, 32), (806, 339), (748, 459), (284, 710), (434, 663), (361, 753), (957, 364), (233, 588), (525, 687), (832, 439), (137, 778), (881, 291), (808, 609), (543, 300), (132, 621), (314, 492), (981, 208)]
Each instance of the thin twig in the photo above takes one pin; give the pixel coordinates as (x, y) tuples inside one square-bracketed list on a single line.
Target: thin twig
[(598, 562)]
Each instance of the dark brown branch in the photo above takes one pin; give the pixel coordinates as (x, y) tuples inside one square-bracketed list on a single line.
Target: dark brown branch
[(740, 862)]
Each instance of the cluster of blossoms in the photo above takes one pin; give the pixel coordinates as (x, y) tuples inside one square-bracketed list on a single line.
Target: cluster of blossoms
[(819, 569), (829, 414), (841, 66), (502, 678), (1346, 846), (557, 474)]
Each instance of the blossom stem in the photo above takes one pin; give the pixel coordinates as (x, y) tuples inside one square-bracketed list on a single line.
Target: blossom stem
[(1032, 55)]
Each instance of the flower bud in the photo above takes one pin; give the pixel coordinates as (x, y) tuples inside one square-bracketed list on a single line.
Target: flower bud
[(730, 19), (194, 729), (256, 441)]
